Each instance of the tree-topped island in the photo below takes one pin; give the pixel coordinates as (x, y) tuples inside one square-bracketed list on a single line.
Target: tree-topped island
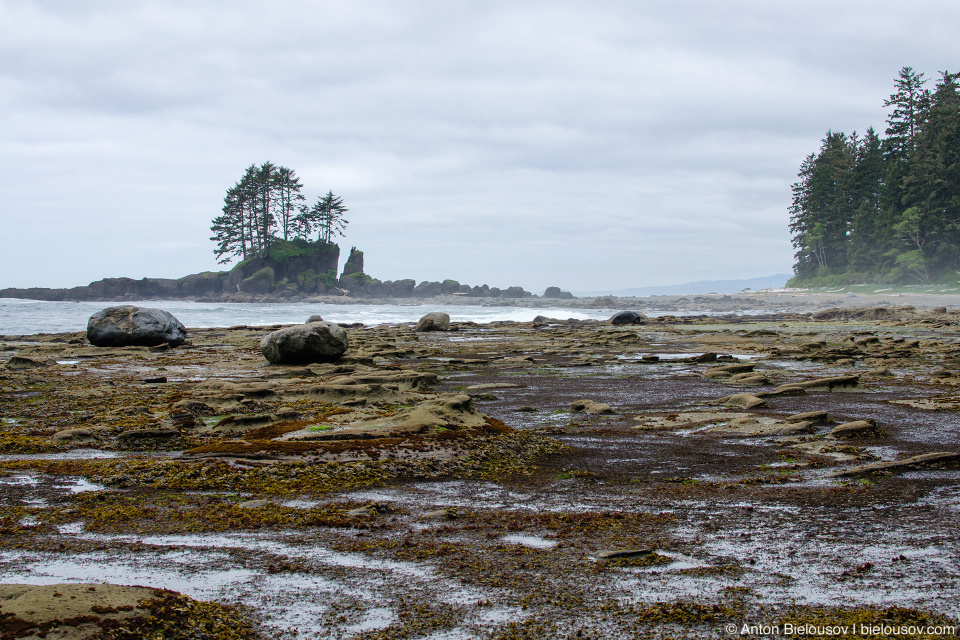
[(286, 251), (266, 206), (283, 245)]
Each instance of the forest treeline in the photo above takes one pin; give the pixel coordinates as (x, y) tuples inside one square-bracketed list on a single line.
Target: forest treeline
[(884, 209), (267, 205)]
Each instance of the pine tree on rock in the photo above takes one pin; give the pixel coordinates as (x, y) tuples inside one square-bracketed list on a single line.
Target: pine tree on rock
[(267, 206)]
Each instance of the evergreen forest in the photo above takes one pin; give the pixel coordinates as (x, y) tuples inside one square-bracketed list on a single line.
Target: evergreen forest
[(267, 209), (872, 209)]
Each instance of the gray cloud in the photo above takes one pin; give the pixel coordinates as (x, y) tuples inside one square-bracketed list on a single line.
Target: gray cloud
[(610, 145)]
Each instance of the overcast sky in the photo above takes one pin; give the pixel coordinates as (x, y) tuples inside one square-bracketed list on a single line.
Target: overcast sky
[(600, 145)]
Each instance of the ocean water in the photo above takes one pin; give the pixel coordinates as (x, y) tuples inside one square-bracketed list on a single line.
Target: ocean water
[(25, 317)]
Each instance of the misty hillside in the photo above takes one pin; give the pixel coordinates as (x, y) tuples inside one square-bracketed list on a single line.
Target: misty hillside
[(699, 287)]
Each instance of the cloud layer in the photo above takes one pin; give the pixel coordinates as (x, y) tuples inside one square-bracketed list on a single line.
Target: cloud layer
[(610, 145)]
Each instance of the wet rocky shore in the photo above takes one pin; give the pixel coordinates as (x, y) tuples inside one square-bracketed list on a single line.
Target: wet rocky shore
[(545, 479)]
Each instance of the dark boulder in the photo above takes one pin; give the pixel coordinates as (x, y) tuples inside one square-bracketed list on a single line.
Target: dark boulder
[(449, 286), (134, 326), (260, 282), (314, 318), (349, 283), (627, 317), (428, 289), (200, 284), (403, 288), (305, 343), (435, 321), (515, 292), (556, 294)]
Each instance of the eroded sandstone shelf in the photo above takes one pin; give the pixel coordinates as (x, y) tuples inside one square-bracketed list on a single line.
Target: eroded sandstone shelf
[(508, 480)]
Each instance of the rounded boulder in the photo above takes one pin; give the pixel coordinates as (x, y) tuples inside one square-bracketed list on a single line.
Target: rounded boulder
[(127, 325), (627, 317), (436, 321), (305, 343)]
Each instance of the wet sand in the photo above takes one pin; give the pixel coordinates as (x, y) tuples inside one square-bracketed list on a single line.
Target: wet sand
[(325, 500)]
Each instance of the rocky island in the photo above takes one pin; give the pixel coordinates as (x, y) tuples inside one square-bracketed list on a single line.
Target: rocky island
[(293, 271)]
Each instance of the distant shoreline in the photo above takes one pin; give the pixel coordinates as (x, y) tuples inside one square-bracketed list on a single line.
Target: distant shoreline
[(772, 301)]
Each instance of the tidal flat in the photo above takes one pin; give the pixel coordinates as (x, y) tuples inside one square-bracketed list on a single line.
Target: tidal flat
[(547, 479)]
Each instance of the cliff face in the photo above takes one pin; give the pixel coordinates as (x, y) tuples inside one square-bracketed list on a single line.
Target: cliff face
[(291, 268)]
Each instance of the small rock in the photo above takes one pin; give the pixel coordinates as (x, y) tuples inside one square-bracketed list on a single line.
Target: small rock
[(783, 390), (741, 400), (856, 429), (17, 363), (589, 406), (314, 318), (724, 370), (752, 378), (809, 416)]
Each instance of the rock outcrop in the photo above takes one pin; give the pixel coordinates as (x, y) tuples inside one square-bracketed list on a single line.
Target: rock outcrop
[(265, 278), (354, 263), (127, 325), (556, 294)]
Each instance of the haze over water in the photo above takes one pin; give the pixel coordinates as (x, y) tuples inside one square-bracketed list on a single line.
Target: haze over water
[(22, 317)]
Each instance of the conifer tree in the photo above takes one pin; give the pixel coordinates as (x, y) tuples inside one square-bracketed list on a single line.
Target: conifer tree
[(326, 216), (268, 201), (885, 209), (931, 184)]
